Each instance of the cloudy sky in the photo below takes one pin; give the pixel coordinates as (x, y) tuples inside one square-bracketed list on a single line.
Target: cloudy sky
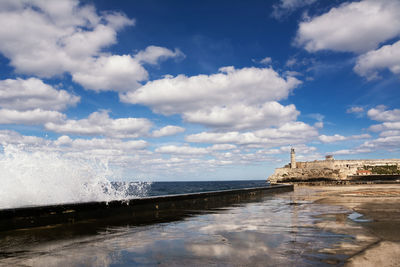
[(201, 90)]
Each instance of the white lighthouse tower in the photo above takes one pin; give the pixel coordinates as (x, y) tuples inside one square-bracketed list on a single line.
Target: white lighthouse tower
[(292, 159)]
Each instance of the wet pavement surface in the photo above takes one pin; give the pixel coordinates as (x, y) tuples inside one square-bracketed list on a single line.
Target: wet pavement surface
[(312, 226)]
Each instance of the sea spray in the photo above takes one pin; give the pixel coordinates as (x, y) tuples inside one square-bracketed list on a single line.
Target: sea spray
[(35, 178)]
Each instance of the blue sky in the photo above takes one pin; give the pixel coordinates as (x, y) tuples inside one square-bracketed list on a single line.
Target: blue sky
[(200, 90)]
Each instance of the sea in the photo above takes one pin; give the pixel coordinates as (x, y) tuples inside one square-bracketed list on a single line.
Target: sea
[(183, 187), (278, 230)]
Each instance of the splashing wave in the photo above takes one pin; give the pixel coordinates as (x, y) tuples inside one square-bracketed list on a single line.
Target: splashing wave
[(43, 178)]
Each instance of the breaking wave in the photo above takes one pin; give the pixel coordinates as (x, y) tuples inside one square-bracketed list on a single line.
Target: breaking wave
[(43, 178)]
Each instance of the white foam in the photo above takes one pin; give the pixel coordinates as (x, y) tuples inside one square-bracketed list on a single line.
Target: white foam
[(42, 178)]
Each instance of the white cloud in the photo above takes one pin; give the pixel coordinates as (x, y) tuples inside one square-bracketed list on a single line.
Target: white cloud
[(12, 137), (386, 126), (351, 151), (95, 143), (167, 131), (184, 150), (389, 136), (390, 133), (189, 150), (387, 143), (215, 100), (390, 119), (286, 7), (380, 113), (118, 73), (50, 38), (153, 54), (336, 138), (217, 147), (288, 134), (386, 57), (244, 117), (354, 27), (31, 117), (100, 124), (32, 93), (330, 139)]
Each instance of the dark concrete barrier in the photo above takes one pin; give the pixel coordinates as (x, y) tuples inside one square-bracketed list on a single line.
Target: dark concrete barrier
[(133, 211), (375, 177)]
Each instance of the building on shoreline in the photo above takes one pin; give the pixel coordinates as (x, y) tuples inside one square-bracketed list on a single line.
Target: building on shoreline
[(333, 169)]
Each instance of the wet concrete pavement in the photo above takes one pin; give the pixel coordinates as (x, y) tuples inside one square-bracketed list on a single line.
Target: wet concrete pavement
[(312, 226)]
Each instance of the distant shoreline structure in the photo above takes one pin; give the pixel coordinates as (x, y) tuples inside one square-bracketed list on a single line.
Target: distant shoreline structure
[(337, 170)]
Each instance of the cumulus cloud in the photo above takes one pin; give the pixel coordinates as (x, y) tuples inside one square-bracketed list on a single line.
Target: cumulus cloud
[(185, 150), (167, 131), (353, 151), (389, 132), (287, 134), (30, 101), (11, 137), (336, 138), (390, 119), (96, 143), (100, 124), (388, 143), (330, 139), (49, 38), (32, 93), (217, 147), (216, 100), (386, 126), (386, 57), (190, 150), (244, 117), (118, 73), (351, 27), (30, 117), (380, 113)]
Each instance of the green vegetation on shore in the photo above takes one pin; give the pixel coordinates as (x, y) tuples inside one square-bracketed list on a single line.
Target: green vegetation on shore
[(386, 169)]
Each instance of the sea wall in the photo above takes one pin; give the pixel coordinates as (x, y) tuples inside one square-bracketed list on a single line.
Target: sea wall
[(133, 211)]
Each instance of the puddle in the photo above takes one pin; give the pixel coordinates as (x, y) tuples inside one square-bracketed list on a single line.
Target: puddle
[(357, 217)]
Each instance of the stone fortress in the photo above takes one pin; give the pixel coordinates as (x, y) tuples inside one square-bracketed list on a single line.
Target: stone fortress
[(331, 169)]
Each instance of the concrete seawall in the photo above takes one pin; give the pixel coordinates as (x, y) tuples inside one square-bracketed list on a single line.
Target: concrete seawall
[(132, 211)]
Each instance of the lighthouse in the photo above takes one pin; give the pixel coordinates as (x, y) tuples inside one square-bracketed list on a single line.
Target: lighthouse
[(292, 159)]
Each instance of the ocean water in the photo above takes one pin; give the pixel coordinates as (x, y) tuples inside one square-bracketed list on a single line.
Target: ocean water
[(171, 188)]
